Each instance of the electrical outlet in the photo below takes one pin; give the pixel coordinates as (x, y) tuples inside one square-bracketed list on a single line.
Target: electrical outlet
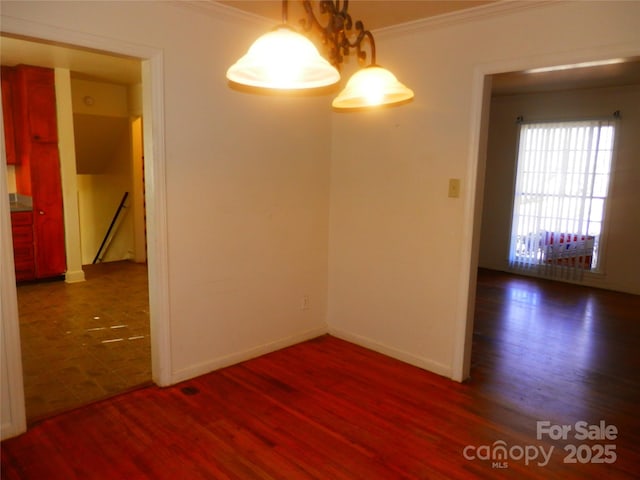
[(304, 304), (454, 187)]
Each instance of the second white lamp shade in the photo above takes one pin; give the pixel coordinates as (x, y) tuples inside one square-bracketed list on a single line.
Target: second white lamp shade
[(370, 87)]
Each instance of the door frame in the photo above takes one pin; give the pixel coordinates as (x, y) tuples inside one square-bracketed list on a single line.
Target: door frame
[(14, 422)]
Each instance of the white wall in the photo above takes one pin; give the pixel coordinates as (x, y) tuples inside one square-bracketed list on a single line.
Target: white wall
[(400, 249), (621, 256)]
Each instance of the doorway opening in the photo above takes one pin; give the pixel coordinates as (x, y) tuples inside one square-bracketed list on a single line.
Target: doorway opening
[(584, 93), (82, 341)]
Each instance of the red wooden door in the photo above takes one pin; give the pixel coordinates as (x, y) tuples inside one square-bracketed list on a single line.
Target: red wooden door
[(48, 221)]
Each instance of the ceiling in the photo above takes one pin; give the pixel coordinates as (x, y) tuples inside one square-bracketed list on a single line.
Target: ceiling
[(374, 13)]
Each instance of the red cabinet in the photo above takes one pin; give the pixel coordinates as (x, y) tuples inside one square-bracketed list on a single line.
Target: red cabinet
[(38, 167), (7, 77), (23, 255), (37, 104), (48, 219)]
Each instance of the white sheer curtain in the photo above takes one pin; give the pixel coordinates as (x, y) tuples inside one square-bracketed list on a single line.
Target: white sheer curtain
[(561, 189)]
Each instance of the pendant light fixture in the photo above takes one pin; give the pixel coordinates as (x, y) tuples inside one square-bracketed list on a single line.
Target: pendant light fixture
[(284, 59), (372, 86)]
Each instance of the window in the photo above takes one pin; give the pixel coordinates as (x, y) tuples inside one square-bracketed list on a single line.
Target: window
[(561, 189)]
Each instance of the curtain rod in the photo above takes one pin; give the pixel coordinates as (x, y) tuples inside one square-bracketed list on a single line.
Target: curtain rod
[(617, 115)]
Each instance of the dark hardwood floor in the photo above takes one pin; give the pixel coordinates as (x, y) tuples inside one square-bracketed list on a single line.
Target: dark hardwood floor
[(328, 409)]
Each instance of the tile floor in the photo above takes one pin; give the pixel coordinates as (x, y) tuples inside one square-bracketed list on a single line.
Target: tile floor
[(86, 341)]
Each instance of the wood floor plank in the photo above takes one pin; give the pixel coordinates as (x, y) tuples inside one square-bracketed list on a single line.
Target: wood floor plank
[(328, 409)]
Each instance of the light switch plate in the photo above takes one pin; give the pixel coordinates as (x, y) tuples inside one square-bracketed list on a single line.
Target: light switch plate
[(454, 187)]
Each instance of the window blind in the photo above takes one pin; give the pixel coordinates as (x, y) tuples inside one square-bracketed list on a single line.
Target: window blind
[(562, 181)]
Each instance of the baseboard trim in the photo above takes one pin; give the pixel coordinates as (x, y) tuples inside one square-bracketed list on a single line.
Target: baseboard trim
[(74, 277), (10, 429), (222, 362), (411, 359)]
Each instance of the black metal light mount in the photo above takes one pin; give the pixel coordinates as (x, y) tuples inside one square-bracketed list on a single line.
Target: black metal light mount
[(339, 33)]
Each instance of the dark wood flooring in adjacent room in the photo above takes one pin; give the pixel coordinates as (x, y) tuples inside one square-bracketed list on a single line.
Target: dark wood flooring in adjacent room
[(328, 409)]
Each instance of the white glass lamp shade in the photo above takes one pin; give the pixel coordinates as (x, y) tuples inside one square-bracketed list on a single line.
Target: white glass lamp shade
[(370, 87), (283, 59)]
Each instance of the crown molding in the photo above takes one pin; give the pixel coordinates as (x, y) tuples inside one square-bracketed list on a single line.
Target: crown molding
[(496, 9), (215, 9), (218, 10)]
